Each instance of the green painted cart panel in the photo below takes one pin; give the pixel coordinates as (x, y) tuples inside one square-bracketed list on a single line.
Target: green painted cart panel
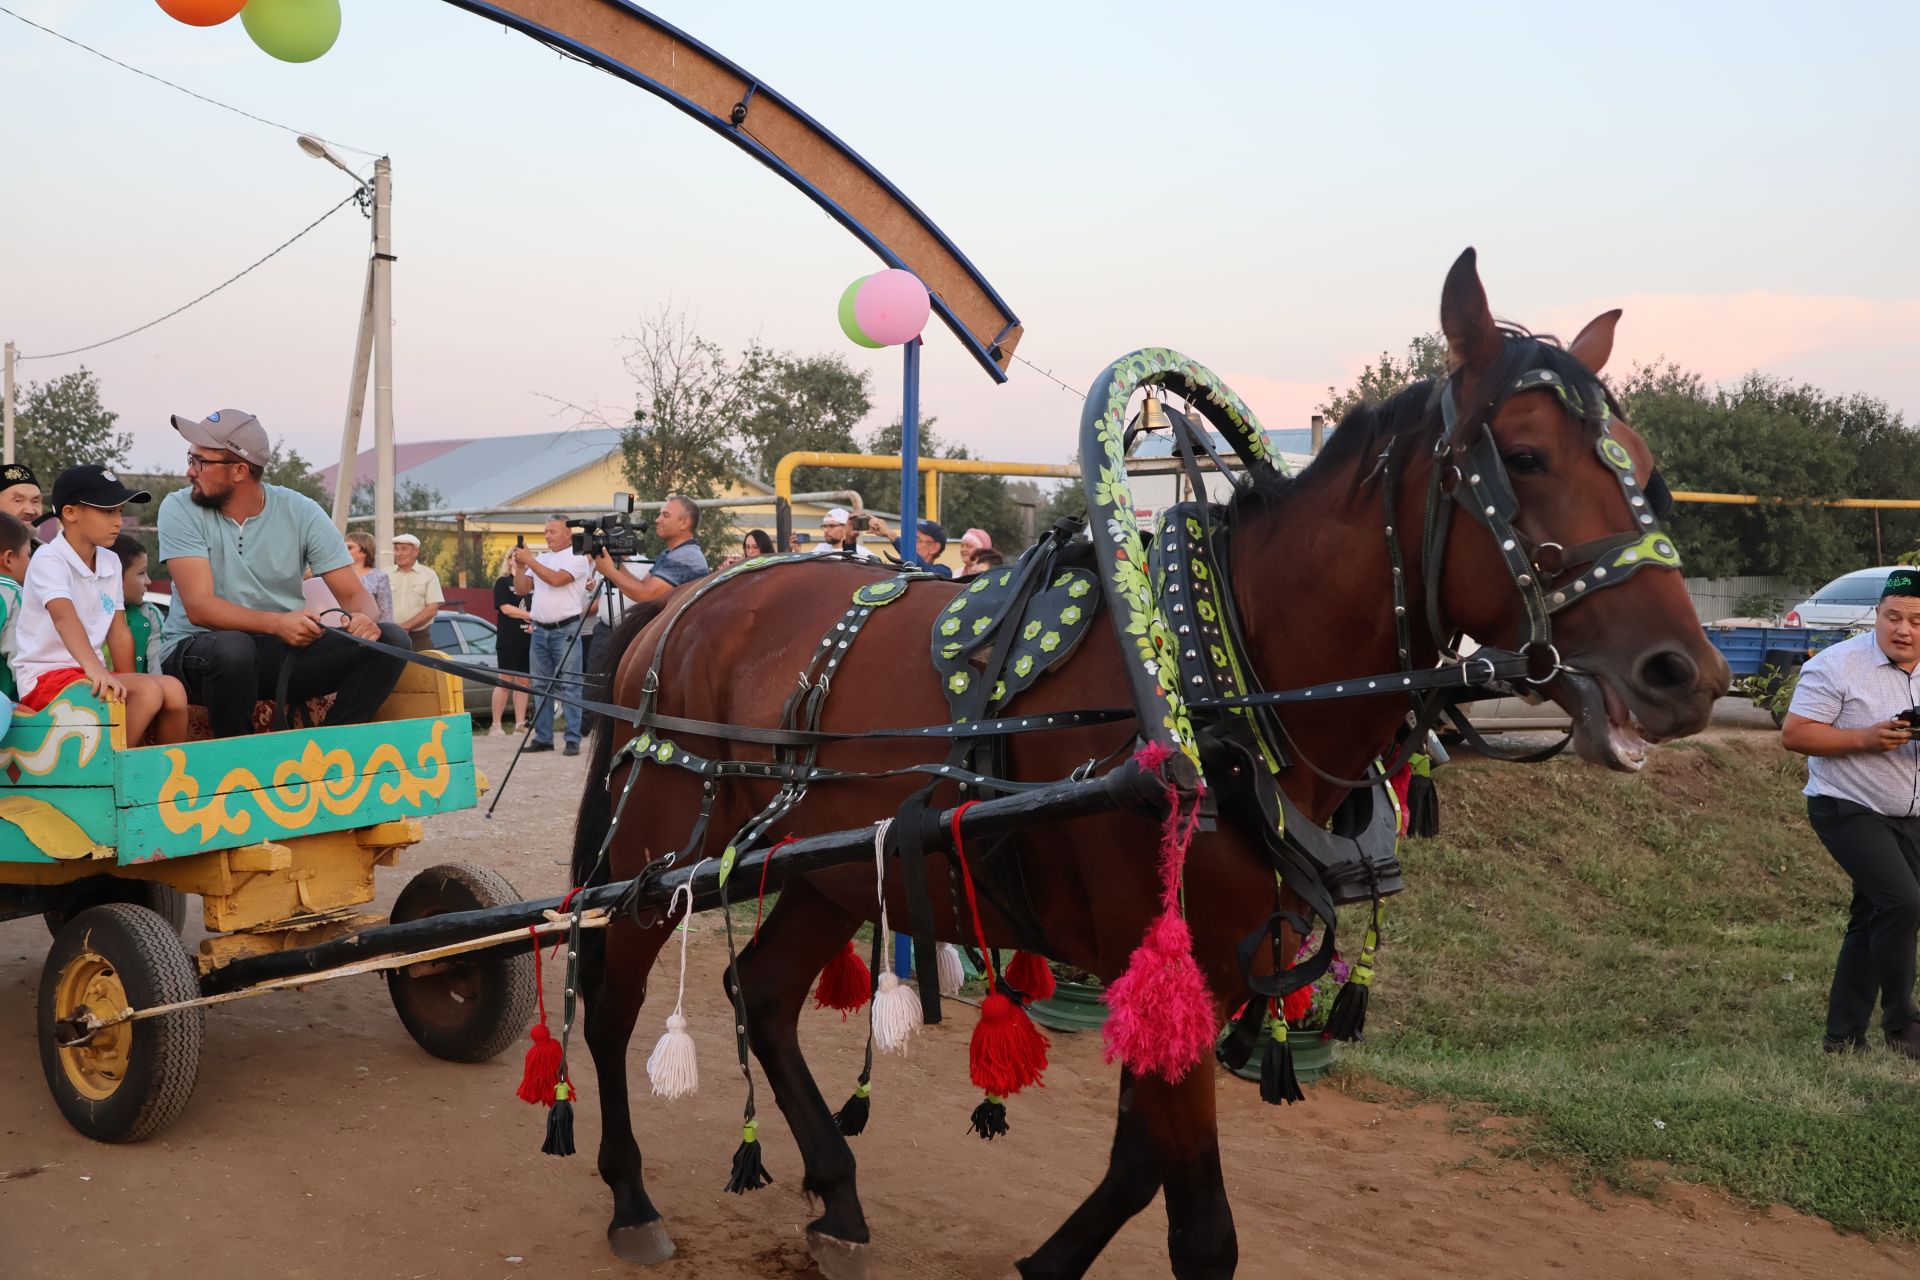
[(196, 797), (230, 792), (67, 745)]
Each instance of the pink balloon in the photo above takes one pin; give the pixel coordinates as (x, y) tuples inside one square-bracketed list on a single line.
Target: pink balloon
[(891, 307)]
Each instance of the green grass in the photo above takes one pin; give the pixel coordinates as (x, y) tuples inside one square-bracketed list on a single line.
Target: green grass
[(1639, 967)]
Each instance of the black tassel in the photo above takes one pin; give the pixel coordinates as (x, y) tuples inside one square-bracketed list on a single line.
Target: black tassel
[(990, 1118), (749, 1172), (1235, 1050), (1348, 1020), (851, 1119), (1278, 1083), (560, 1122), (1423, 807)]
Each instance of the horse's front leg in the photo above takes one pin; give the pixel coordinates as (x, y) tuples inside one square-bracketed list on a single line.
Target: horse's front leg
[(1131, 1181), (1166, 1140), (613, 985), (802, 933)]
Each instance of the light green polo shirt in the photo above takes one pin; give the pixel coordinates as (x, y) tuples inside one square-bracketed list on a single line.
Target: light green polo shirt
[(258, 563)]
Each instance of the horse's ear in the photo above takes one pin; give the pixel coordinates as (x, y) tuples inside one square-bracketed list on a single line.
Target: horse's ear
[(1473, 341), (1595, 342)]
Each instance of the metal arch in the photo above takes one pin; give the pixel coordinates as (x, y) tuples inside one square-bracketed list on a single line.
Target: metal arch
[(627, 41)]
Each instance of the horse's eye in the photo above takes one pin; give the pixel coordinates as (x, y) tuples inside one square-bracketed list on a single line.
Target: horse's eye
[(1525, 462)]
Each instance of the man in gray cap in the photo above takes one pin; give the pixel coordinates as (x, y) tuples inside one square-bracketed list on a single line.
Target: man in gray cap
[(237, 550)]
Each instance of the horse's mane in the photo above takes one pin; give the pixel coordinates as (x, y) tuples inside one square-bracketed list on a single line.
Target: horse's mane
[(1366, 428)]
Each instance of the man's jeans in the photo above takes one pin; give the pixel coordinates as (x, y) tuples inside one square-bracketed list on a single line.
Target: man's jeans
[(228, 671), (549, 645)]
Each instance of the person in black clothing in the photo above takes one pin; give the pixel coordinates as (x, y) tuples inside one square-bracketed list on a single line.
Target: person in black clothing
[(510, 648)]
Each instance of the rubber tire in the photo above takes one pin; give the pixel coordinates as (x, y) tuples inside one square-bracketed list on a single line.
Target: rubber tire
[(164, 1061), (463, 1030), (163, 900)]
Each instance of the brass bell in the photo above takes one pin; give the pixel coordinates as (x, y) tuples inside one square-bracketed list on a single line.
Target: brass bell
[(1152, 416)]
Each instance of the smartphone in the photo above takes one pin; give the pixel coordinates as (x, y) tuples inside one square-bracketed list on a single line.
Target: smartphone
[(519, 539)]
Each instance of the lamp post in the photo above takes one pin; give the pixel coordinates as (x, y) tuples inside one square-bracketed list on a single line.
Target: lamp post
[(373, 346)]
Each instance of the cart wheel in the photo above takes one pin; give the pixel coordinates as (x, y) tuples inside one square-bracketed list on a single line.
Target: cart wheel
[(163, 900), (466, 1008), (132, 1080)]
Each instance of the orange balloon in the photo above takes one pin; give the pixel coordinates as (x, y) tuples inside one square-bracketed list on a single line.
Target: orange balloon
[(202, 13)]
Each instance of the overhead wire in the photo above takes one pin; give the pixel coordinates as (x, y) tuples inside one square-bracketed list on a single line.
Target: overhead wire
[(214, 102), (73, 351)]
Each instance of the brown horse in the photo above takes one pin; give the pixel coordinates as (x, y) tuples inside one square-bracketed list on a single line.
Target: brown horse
[(1310, 575)]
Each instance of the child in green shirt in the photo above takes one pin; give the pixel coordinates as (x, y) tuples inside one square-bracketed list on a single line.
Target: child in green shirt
[(143, 619), (15, 545)]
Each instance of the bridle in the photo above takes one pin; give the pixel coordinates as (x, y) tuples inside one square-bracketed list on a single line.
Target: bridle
[(1468, 468)]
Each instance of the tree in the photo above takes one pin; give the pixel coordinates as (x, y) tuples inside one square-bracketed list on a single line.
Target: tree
[(61, 423), (1426, 357), (1773, 439), (286, 468), (789, 403)]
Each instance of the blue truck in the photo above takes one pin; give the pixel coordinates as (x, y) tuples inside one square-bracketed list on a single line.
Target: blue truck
[(1765, 660)]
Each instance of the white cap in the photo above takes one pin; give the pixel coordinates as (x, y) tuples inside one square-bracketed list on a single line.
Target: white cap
[(835, 515), (407, 538)]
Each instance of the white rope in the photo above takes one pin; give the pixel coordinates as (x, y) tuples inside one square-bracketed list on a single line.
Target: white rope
[(896, 1008), (672, 1067)]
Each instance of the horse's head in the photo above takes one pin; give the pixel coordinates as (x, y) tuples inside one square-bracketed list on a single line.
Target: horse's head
[(1562, 555)]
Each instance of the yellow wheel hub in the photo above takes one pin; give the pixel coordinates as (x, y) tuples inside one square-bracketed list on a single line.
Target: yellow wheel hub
[(90, 984)]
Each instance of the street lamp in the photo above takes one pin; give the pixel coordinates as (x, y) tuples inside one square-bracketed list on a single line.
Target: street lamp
[(374, 345)]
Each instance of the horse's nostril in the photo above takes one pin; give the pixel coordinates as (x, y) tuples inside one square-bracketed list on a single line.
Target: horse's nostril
[(1666, 671)]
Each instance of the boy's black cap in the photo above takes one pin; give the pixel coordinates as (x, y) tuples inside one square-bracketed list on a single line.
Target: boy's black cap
[(92, 487)]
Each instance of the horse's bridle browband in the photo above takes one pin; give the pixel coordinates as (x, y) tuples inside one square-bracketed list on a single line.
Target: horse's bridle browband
[(1467, 466)]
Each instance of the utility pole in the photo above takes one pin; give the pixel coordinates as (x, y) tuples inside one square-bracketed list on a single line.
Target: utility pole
[(372, 348), (382, 289), (1317, 434), (7, 411)]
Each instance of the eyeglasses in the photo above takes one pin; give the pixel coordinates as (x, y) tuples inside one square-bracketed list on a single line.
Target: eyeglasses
[(195, 462)]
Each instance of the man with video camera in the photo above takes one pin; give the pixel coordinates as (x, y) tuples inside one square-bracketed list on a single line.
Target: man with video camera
[(1854, 716), (681, 561)]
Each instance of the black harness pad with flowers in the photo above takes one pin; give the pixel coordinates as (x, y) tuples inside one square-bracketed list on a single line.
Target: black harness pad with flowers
[(1048, 629)]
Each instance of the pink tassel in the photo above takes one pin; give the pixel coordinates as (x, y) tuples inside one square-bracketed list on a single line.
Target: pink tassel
[(1162, 1018)]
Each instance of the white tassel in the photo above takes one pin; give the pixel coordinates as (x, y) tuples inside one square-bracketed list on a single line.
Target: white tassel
[(672, 1067), (896, 1014), (896, 1008), (953, 974)]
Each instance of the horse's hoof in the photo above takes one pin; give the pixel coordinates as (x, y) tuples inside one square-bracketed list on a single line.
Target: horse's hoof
[(838, 1259), (645, 1244)]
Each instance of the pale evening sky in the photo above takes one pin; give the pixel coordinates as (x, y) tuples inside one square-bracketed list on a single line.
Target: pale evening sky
[(1276, 189)]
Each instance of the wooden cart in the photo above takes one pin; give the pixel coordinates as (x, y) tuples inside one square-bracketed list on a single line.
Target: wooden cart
[(278, 834)]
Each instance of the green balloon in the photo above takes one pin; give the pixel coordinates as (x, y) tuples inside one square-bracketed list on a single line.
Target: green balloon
[(293, 30), (848, 325)]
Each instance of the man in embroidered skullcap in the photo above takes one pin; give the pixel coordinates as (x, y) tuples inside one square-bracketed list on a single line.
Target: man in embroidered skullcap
[(20, 493), (1855, 715)]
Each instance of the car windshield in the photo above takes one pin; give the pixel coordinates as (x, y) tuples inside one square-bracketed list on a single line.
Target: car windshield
[(1855, 589)]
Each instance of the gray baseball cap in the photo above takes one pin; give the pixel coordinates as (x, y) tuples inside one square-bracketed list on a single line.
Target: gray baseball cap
[(235, 430)]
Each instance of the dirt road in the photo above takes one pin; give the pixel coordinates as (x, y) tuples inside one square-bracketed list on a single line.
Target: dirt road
[(322, 1144)]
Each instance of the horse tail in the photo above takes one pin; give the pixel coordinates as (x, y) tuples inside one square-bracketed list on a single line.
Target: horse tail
[(596, 803)]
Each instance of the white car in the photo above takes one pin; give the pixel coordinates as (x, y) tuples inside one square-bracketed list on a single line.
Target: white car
[(1847, 601)]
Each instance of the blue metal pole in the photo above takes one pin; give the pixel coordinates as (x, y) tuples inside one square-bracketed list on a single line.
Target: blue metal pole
[(910, 458)]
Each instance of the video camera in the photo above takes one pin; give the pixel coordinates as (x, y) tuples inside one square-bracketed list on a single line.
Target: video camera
[(1910, 718), (612, 533)]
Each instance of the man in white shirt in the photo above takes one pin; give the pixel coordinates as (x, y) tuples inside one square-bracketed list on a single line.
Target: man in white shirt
[(416, 592), (838, 534), (557, 580)]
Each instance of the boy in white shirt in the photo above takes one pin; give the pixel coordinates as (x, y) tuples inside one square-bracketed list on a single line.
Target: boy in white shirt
[(74, 603)]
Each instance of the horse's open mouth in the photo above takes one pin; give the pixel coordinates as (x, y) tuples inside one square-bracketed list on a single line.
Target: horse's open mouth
[(1604, 730)]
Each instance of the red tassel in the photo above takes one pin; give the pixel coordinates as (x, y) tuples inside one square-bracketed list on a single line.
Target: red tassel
[(1297, 1004), (1008, 1052), (542, 1071), (1030, 976), (845, 983)]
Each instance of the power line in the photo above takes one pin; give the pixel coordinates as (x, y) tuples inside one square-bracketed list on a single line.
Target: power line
[(51, 355), (171, 85), (1048, 375)]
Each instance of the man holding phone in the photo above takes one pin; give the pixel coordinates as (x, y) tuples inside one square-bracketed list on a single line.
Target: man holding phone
[(1854, 716)]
